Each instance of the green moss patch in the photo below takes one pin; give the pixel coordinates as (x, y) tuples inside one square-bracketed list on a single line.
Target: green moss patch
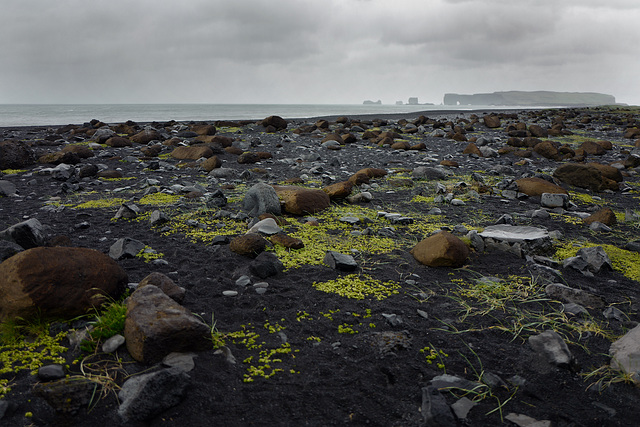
[(358, 287)]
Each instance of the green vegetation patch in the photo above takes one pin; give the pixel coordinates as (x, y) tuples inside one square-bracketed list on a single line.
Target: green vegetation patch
[(358, 287), (101, 203), (13, 171), (27, 346), (159, 199)]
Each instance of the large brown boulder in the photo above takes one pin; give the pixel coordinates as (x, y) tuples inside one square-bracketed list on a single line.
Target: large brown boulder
[(250, 244), (593, 148), (118, 142), (302, 201), (211, 163), (491, 121), (165, 284), (584, 176), (605, 216), (156, 325), (275, 122), (608, 171), (535, 187), (538, 131), (339, 190), (58, 281), (146, 136), (546, 149), (192, 152), (204, 129), (15, 155), (441, 250)]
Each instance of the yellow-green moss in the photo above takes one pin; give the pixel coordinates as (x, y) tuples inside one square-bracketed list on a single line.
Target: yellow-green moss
[(157, 199), (358, 287), (147, 254), (101, 203), (13, 171)]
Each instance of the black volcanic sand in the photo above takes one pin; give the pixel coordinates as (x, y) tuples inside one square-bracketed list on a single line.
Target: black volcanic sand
[(374, 375)]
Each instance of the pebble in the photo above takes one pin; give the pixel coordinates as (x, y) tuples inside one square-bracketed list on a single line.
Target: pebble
[(230, 293)]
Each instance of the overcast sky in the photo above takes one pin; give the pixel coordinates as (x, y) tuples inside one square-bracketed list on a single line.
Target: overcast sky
[(313, 51)]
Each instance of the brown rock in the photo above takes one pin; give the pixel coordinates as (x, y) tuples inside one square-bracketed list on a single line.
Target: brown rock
[(156, 325), (302, 201), (82, 151), (400, 145), (491, 121), (460, 137), (632, 133), (165, 284), (419, 146), (538, 131), (57, 281), (547, 149), (15, 155), (146, 136), (250, 245), (592, 148), (151, 151), (339, 190), (333, 137), (60, 157), (192, 152), (441, 250), (534, 187), (472, 149), (118, 142), (277, 122), (359, 178), (110, 174), (604, 215), (248, 158), (449, 163), (608, 171), (607, 145), (204, 129), (223, 141), (233, 150), (584, 176), (287, 241), (211, 163), (373, 172)]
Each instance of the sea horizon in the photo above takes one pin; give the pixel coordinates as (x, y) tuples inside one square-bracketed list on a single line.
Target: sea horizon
[(71, 113)]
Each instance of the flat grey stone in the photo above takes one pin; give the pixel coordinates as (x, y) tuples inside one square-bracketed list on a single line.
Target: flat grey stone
[(514, 233), (552, 347), (625, 353), (113, 343)]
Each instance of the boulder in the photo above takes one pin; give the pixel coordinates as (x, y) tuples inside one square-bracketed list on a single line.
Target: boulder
[(491, 121), (441, 250), (165, 284), (605, 216), (339, 190), (593, 148), (538, 131), (28, 234), (287, 241), (341, 262), (58, 281), (608, 171), (266, 265), (146, 136), (192, 152), (211, 163), (248, 245), (15, 155), (145, 396), (472, 149), (118, 142), (546, 149), (248, 158), (584, 176), (156, 325), (552, 348), (625, 353), (535, 187), (260, 199), (578, 296), (277, 122), (302, 201), (204, 129)]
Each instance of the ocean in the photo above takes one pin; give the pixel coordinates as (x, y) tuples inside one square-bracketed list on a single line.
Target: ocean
[(63, 114)]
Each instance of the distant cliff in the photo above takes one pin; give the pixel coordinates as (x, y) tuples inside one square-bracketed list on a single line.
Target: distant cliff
[(539, 98)]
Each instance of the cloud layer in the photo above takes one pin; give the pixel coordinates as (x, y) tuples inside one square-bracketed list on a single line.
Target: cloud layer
[(305, 51)]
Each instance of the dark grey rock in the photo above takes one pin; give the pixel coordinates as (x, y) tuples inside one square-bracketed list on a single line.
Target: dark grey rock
[(429, 172), (51, 372), (551, 347), (341, 262), (567, 294), (216, 199), (125, 248), (157, 218), (261, 199), (144, 396), (589, 261), (266, 265), (128, 211), (8, 249), (7, 188), (28, 234), (435, 410)]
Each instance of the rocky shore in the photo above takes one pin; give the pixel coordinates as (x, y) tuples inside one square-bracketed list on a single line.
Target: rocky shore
[(448, 269)]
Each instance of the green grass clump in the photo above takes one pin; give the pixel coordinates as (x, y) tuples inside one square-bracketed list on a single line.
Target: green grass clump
[(147, 254), (109, 322), (358, 287), (623, 261), (13, 171)]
